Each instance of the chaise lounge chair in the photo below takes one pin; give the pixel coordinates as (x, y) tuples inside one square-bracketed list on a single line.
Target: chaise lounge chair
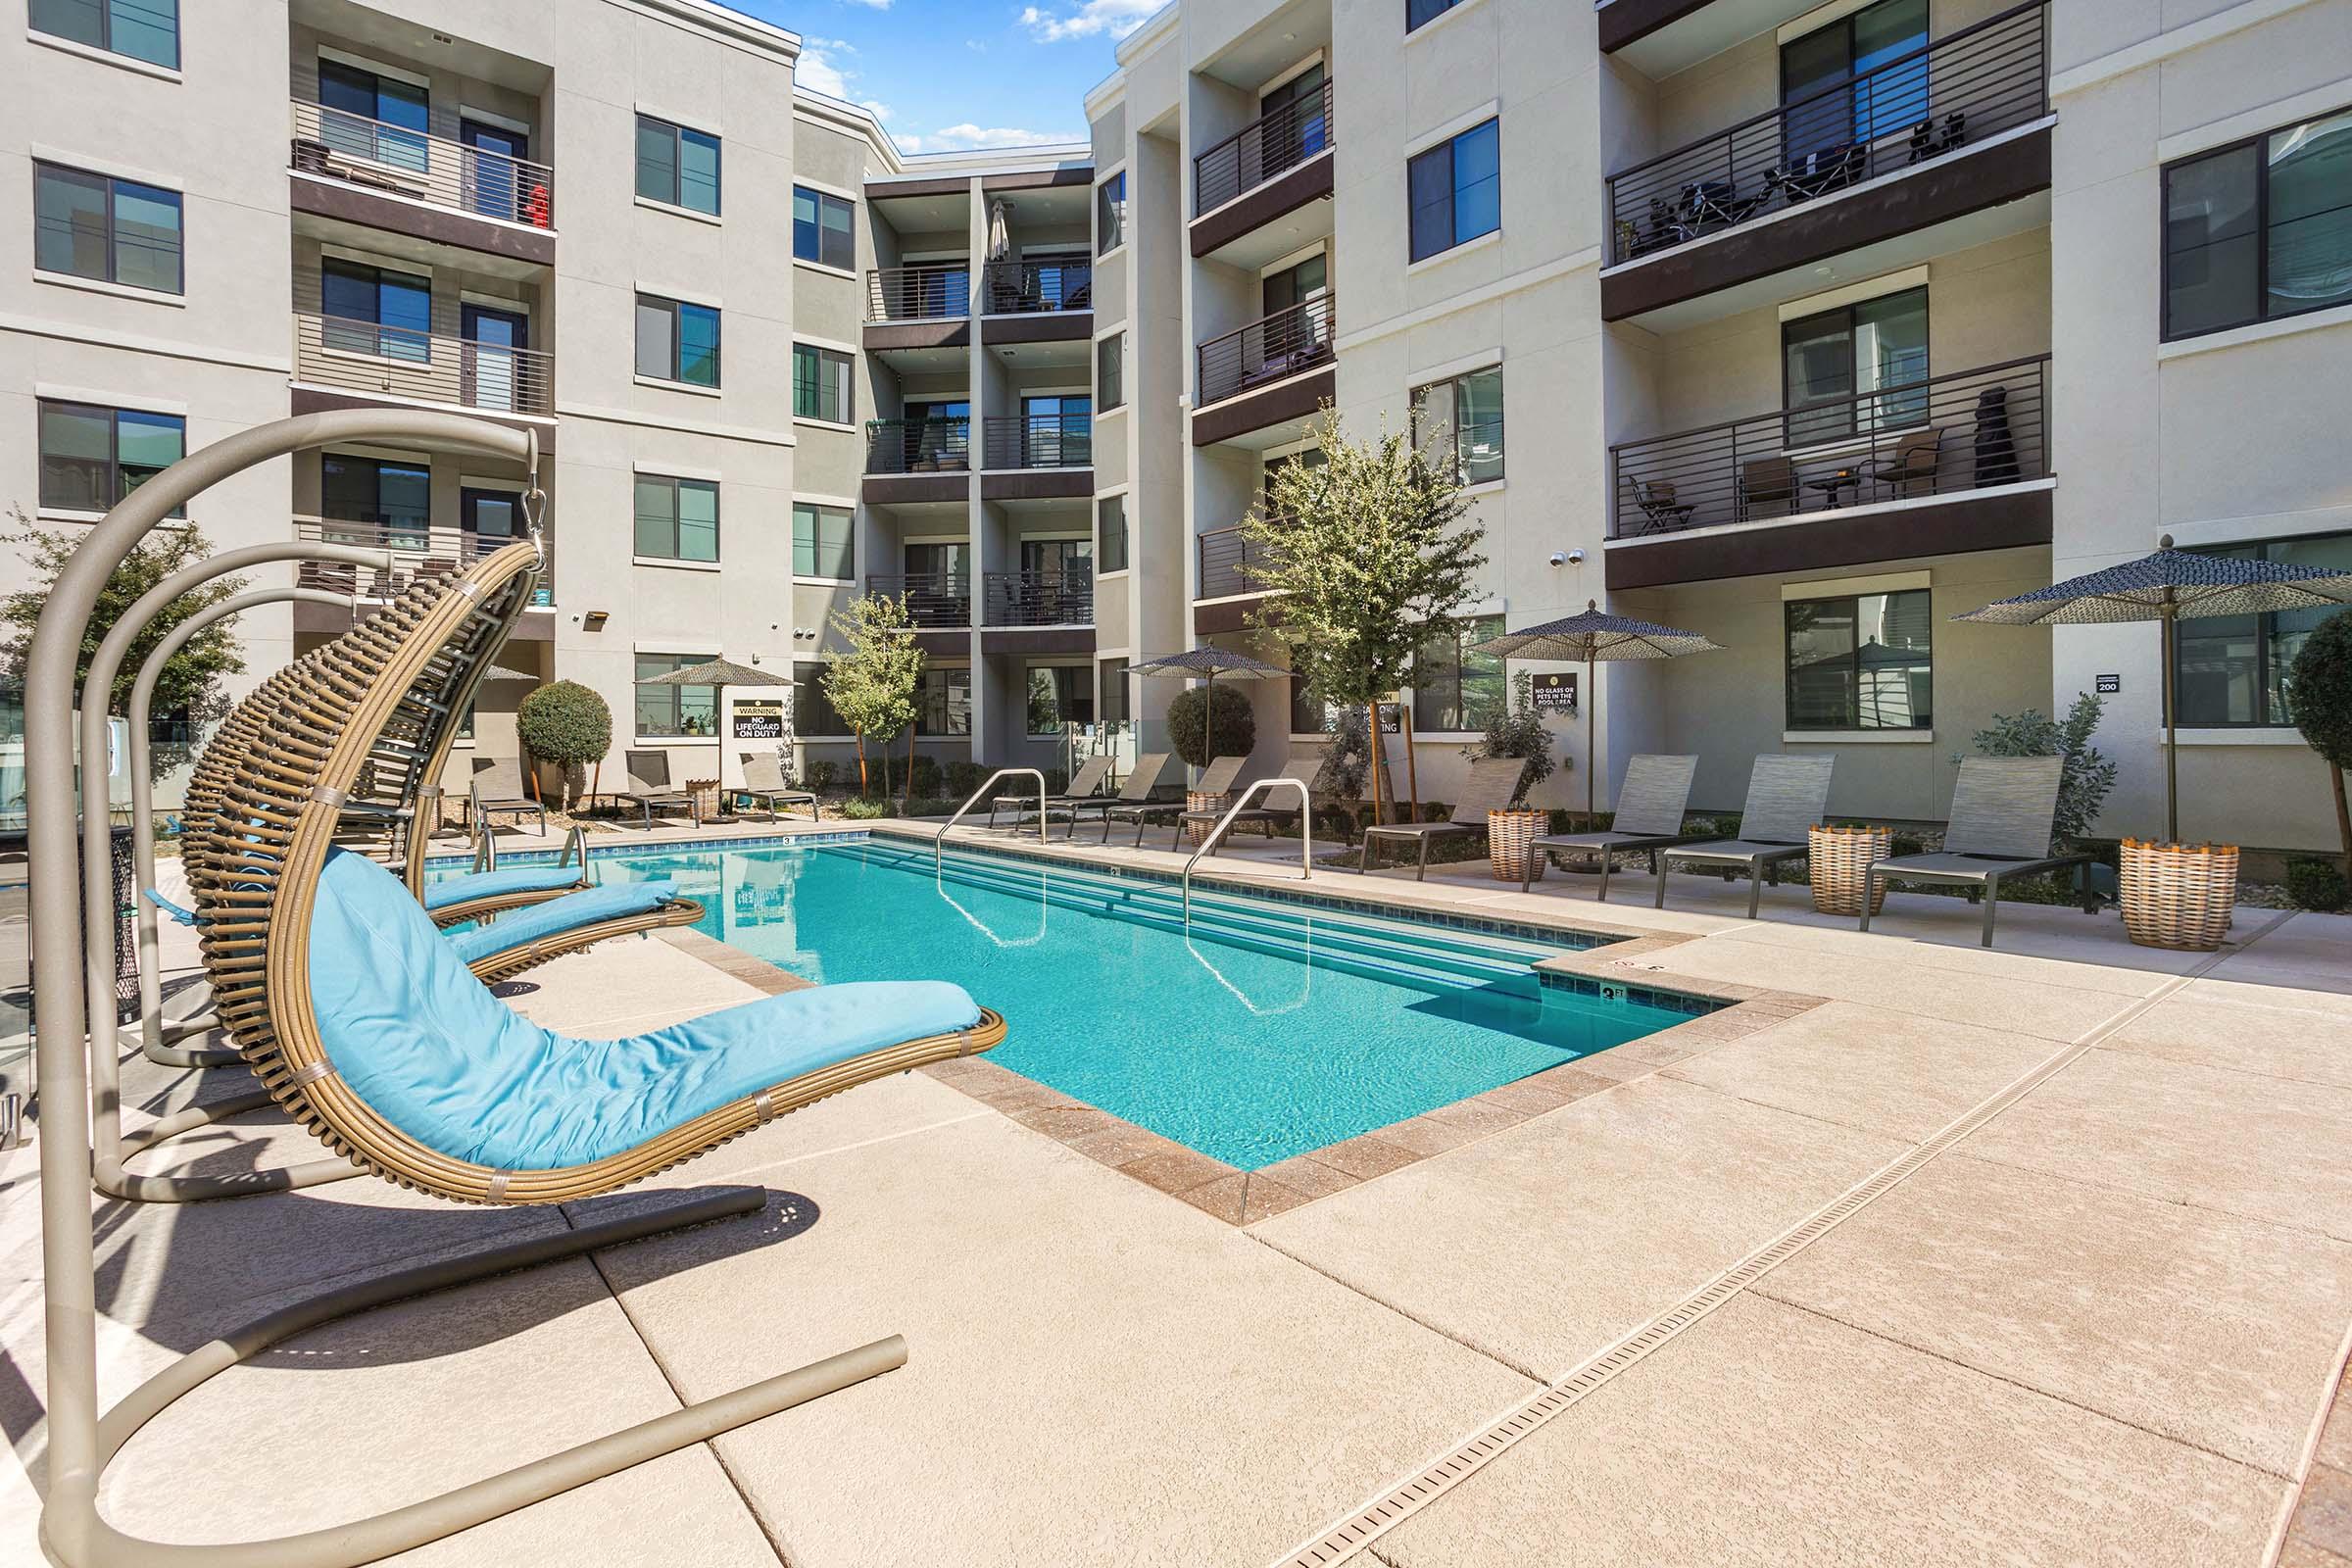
[(1142, 780), (763, 785), (1785, 797), (496, 786), (1650, 807), (649, 789), (1493, 783), (1082, 790), (2003, 809), (1215, 779)]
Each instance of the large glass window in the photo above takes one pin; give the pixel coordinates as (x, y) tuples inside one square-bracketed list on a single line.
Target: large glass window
[(366, 114), (1462, 419), (390, 501), (1453, 688), (1454, 190), (1058, 432), (812, 709), (2259, 231), (2233, 669), (665, 712), (1857, 369), (92, 457), (1418, 11), (373, 310), (1058, 695), (823, 542), (1111, 212), (1111, 679), (142, 29), (677, 166), (677, 341), (820, 384), (1110, 388), (1874, 55), (1860, 663), (1111, 515), (821, 230), (677, 520), (114, 231), (944, 702)]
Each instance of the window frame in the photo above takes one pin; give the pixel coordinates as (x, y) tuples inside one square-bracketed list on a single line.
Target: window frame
[(1110, 392), (818, 513), (113, 451), (1416, 400), (1791, 412), (676, 309), (827, 359), (2257, 144), (1445, 7), (1104, 508), (821, 198), (677, 696), (678, 134), (1065, 683), (1449, 147), (948, 684), (2266, 632), (676, 485), (1471, 629), (106, 36), (108, 185), (390, 535), (347, 267), (1110, 218), (1788, 720)]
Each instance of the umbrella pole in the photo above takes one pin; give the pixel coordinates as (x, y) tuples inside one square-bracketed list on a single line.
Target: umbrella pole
[(1592, 701), (2172, 751)]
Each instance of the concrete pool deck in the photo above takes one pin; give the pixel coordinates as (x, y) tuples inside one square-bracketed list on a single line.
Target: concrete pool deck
[(2093, 1310)]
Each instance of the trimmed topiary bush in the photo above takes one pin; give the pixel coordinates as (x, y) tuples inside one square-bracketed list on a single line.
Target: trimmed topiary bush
[(2315, 884), (566, 723), (2318, 687), (1232, 728)]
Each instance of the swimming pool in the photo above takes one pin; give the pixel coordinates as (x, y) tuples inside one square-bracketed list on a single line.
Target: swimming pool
[(1274, 1027)]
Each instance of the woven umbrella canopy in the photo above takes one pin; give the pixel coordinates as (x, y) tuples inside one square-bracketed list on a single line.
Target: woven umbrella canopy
[(1589, 638), (719, 673), (2170, 586), (1207, 663)]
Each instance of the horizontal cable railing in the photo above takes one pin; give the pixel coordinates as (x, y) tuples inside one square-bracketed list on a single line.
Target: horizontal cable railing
[(1285, 343), (919, 445), (1041, 598), (1279, 141), (1228, 558), (934, 293), (1943, 98), (429, 169), (423, 549), (403, 362), (1041, 441), (1038, 287), (934, 599), (1941, 436)]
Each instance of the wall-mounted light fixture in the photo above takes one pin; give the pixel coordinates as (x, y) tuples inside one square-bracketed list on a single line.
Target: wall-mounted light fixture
[(594, 619)]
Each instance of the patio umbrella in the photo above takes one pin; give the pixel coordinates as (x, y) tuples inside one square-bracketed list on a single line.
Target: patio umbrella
[(1207, 663), (1000, 231), (1589, 638), (2169, 586), (718, 673)]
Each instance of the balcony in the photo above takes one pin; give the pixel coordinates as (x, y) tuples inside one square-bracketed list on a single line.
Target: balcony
[(1945, 465), (1041, 441), (1040, 598), (404, 365), (425, 550), (1225, 556), (1275, 369), (932, 293), (388, 176), (1040, 288), (935, 601), (1927, 136), (1267, 170), (919, 445)]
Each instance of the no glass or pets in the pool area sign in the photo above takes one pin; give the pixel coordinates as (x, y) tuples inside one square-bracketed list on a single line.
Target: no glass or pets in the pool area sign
[(1556, 693)]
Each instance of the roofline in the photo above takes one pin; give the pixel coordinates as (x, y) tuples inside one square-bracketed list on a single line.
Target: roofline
[(861, 121), (727, 23)]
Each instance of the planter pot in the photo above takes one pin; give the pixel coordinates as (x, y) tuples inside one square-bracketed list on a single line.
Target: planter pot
[(1196, 833), (1510, 832), (1841, 857), (2178, 895)]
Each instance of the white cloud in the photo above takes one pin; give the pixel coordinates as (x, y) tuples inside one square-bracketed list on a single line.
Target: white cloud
[(959, 138), (1117, 18), (872, 5), (820, 69)]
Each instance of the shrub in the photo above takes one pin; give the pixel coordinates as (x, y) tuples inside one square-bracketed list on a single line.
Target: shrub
[(2087, 775), (566, 723), (1232, 727), (858, 808), (1519, 733), (2315, 884), (2319, 688), (924, 777), (962, 778)]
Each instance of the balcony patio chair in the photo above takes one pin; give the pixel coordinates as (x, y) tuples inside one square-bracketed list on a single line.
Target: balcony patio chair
[(763, 785), (1765, 481), (650, 790), (1215, 779), (497, 787), (1786, 795), (2004, 810), (1493, 782), (1650, 808), (1142, 779), (1081, 789), (1928, 142), (1917, 457), (1661, 513)]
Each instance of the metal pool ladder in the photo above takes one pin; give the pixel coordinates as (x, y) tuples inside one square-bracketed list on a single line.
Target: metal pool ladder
[(939, 838), (1307, 834)]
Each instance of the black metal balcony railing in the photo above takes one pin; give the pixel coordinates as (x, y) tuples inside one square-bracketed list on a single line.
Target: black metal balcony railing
[(1226, 557), (1951, 94), (919, 445), (1041, 441), (1031, 289), (1278, 142), (934, 599), (425, 550), (402, 362), (1283, 344), (1041, 598), (933, 293), (1937, 437), (429, 169)]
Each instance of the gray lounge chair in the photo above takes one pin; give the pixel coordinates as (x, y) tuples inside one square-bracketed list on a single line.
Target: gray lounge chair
[(2003, 809), (763, 785), (1265, 819), (1493, 781), (496, 786), (1786, 795), (1215, 779), (1082, 787), (1650, 807), (650, 790), (1142, 780)]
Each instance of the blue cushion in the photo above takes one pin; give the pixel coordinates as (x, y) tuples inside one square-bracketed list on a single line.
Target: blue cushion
[(435, 1054), (492, 884), (615, 900)]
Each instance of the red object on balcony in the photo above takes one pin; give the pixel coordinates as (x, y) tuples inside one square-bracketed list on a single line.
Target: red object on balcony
[(535, 208)]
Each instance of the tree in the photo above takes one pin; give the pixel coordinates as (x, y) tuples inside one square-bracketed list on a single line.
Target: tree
[(1229, 729), (191, 681), (871, 680), (566, 723), (2319, 688), (1369, 557), (2088, 775)]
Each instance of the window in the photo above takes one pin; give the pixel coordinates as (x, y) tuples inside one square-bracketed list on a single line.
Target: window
[(1057, 432), (366, 115), (1419, 11), (114, 231), (820, 229), (677, 520), (1111, 532), (1110, 214), (91, 457), (1455, 190), (812, 709), (1110, 358), (1309, 715), (1058, 695), (372, 310), (2231, 671), (677, 166), (2259, 231), (944, 703), (1875, 56), (1111, 681), (1453, 688), (665, 712), (1832, 362), (677, 341), (823, 545), (390, 498), (1860, 663), (1463, 416), (141, 30), (820, 384)]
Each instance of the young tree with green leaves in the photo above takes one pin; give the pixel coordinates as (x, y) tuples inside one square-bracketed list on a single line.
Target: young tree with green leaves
[(1371, 555), (871, 680)]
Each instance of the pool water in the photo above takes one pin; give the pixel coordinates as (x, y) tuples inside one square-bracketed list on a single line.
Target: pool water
[(1273, 1028)]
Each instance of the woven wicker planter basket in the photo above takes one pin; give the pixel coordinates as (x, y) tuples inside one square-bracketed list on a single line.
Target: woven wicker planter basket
[(1840, 857), (1196, 833), (2178, 895), (1508, 834)]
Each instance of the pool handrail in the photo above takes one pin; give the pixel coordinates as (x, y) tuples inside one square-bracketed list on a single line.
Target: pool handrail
[(939, 838), (1307, 833)]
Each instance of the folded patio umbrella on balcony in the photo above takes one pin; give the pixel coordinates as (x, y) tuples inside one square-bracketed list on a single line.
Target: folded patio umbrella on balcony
[(2170, 586), (1589, 638), (1207, 663)]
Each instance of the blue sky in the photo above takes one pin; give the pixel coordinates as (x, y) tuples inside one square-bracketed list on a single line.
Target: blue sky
[(948, 75)]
